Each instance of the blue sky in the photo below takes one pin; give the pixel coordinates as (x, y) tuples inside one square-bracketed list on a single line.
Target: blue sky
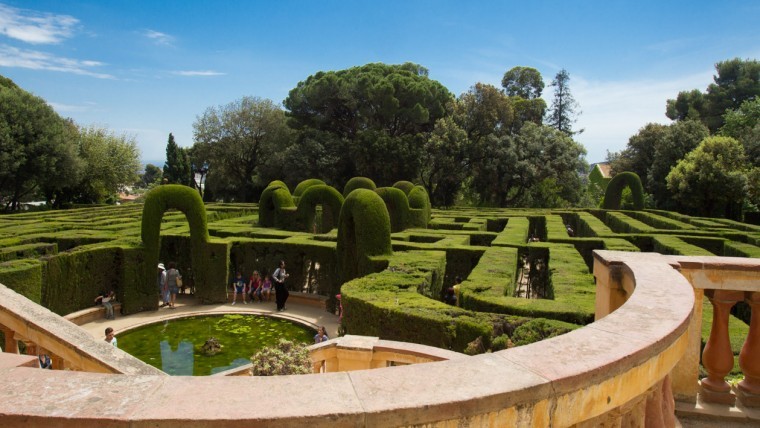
[(148, 68)]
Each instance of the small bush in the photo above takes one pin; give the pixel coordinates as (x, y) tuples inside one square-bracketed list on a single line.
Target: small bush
[(286, 358), (540, 329)]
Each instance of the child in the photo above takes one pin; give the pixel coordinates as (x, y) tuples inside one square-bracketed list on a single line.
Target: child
[(239, 284), (266, 287), (110, 338)]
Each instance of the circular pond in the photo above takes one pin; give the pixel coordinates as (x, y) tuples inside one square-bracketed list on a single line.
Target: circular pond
[(176, 346)]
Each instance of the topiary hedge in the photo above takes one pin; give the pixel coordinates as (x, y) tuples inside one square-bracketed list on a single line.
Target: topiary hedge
[(157, 202), (358, 183), (420, 209), (404, 186), (319, 194), (398, 207), (364, 235), (23, 277), (276, 207), (614, 191), (302, 186)]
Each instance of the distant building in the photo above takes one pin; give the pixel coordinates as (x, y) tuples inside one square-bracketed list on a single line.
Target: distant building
[(600, 175)]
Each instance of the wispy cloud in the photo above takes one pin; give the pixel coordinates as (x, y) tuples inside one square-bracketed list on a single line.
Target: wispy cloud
[(71, 108), (613, 111), (159, 38), (193, 73), (35, 27), (24, 58)]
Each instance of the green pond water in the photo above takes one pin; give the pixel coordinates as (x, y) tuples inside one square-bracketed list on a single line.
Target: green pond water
[(174, 346)]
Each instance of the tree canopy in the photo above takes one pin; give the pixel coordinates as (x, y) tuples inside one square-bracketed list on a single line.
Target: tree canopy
[(234, 141), (711, 179), (177, 169), (736, 81)]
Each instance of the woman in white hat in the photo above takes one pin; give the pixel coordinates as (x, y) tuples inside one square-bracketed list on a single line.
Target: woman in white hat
[(163, 289)]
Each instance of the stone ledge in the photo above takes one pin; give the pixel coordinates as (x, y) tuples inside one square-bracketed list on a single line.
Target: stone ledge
[(91, 314)]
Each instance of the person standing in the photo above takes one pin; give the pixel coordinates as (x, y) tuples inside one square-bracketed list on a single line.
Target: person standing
[(280, 290), (173, 277)]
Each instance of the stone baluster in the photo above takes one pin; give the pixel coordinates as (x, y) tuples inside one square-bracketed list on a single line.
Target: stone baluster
[(748, 389), (717, 358), (10, 344)]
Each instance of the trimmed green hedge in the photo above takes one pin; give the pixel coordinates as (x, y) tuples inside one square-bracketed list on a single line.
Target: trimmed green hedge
[(404, 186), (419, 204), (614, 191), (187, 200), (398, 207), (302, 186), (276, 207), (364, 235), (358, 183), (23, 277), (319, 194)]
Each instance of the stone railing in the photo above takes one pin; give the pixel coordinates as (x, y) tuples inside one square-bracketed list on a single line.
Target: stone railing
[(68, 346), (611, 372), (725, 281)]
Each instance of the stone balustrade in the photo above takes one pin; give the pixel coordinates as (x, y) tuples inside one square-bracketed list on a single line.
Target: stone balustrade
[(725, 281), (613, 372)]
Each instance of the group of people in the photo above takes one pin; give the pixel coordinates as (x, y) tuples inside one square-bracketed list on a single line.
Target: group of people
[(260, 286), (169, 283)]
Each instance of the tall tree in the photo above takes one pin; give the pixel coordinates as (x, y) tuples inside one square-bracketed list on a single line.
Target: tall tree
[(523, 82), (237, 139), (711, 180), (375, 111), (444, 162), (37, 152), (564, 109), (177, 169), (736, 81), (151, 176)]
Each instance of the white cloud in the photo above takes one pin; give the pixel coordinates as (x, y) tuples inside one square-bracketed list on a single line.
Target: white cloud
[(159, 38), (193, 73), (23, 58), (613, 111), (35, 27)]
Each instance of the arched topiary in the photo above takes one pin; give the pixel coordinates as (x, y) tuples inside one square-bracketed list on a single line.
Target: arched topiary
[(615, 188), (398, 207), (320, 194), (279, 183), (364, 234), (157, 202), (302, 186), (276, 206), (404, 186), (420, 211), (358, 183)]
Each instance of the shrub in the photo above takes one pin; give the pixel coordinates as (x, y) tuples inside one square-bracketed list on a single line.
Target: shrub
[(319, 194), (419, 202), (398, 207), (276, 206), (615, 188), (358, 183), (302, 186), (539, 329), (404, 186), (285, 358)]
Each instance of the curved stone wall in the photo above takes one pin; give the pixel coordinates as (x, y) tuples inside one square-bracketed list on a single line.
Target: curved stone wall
[(611, 370)]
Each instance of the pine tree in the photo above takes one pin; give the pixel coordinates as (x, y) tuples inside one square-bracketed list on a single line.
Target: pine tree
[(562, 114), (177, 167)]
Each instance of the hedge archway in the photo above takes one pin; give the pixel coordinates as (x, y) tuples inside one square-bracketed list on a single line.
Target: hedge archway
[(614, 191), (276, 205), (405, 186), (398, 207), (189, 202), (364, 234), (319, 194), (420, 209), (302, 186)]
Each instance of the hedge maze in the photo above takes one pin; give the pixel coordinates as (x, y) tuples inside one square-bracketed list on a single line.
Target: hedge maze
[(526, 276)]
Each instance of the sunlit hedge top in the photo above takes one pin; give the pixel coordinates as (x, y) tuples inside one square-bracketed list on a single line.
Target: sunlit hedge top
[(404, 186), (275, 197), (183, 198), (615, 188), (358, 183), (302, 186)]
